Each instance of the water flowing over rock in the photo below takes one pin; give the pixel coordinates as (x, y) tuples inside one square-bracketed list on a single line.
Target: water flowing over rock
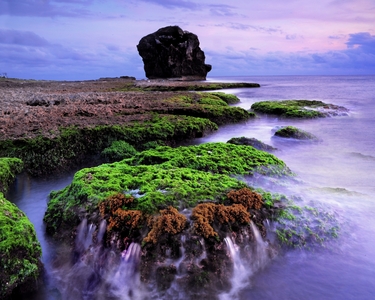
[(96, 272), (173, 53)]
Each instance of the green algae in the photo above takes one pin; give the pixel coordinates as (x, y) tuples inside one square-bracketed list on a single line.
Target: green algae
[(118, 150), (291, 108), (222, 158), (295, 133), (299, 225), (227, 98), (206, 105), (302, 226), (43, 155), (9, 167), (212, 100), (154, 187), (20, 250)]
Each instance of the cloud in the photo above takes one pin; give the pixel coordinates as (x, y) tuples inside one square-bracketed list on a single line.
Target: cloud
[(357, 59), (363, 40), (45, 8), (173, 4), (337, 37), (25, 38), (244, 27), (25, 54), (222, 10)]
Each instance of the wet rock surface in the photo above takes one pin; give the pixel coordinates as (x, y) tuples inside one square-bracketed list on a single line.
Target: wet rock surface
[(257, 144), (172, 52), (294, 133)]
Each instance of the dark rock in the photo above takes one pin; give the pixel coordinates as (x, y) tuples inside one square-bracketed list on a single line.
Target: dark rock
[(173, 53), (165, 276), (38, 102), (251, 142)]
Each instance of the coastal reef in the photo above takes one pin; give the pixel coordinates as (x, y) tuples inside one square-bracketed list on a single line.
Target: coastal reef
[(299, 108), (171, 52), (170, 218), (55, 137)]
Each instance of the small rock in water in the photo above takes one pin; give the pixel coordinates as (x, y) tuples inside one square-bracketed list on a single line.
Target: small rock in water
[(257, 144), (295, 133)]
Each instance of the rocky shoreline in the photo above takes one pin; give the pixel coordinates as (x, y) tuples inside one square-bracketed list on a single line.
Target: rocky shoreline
[(156, 205)]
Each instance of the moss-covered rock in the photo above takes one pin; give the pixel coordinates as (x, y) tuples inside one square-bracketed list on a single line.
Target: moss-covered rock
[(173, 198), (223, 158), (295, 133), (206, 105), (43, 155), (298, 108), (117, 151), (227, 98), (9, 167), (154, 187), (157, 178), (257, 144), (20, 251)]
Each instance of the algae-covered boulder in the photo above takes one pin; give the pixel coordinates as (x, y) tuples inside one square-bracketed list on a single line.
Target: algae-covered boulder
[(158, 178), (20, 251), (183, 205), (299, 108), (295, 133), (257, 144), (154, 187)]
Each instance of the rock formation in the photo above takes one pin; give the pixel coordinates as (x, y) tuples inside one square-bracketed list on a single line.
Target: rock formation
[(173, 53)]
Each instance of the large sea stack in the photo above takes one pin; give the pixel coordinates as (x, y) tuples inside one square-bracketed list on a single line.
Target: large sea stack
[(173, 53)]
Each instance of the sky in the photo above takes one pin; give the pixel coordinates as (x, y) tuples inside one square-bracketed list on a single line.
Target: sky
[(90, 39)]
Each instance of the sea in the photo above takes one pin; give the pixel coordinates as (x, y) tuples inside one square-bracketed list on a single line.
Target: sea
[(335, 172)]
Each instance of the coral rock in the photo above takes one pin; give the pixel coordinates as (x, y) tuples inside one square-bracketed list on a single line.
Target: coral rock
[(246, 197)]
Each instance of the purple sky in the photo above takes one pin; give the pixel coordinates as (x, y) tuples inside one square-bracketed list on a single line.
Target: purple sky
[(89, 39)]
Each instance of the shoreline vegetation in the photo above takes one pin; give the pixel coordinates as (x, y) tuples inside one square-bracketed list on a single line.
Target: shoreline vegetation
[(151, 192)]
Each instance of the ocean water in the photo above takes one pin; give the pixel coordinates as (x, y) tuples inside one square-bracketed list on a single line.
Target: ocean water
[(336, 173)]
